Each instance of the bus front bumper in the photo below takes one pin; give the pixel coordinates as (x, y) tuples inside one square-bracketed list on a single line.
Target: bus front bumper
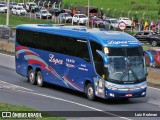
[(113, 90), (111, 94)]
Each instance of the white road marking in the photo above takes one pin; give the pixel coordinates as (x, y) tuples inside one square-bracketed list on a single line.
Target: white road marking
[(60, 99), (16, 85), (6, 55), (76, 103), (153, 88)]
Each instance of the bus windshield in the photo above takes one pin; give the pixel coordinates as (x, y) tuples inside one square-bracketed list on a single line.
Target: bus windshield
[(126, 65)]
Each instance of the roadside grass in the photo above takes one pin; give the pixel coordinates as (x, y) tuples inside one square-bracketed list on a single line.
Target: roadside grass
[(147, 47), (4, 107), (17, 20)]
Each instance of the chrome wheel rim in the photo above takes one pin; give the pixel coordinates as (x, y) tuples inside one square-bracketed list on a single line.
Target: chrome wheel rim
[(39, 79), (90, 91), (31, 77)]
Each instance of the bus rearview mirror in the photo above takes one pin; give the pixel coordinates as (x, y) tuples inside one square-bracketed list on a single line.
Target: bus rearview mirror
[(150, 57)]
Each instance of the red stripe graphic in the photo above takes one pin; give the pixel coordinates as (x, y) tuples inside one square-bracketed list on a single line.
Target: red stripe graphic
[(37, 62), (21, 47), (31, 53), (73, 83)]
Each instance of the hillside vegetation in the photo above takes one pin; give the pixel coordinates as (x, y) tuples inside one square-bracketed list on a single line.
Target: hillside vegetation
[(117, 8), (112, 8)]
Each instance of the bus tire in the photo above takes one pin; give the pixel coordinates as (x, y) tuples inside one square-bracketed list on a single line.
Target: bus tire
[(39, 79), (31, 77), (90, 92)]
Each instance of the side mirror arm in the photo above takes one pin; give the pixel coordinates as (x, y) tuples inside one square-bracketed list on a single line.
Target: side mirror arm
[(105, 59), (150, 57)]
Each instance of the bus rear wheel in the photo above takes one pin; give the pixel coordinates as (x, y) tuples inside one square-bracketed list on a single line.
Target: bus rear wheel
[(31, 77), (39, 79), (90, 91)]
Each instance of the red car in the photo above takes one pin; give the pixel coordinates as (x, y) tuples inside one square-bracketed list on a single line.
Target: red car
[(156, 54), (96, 22)]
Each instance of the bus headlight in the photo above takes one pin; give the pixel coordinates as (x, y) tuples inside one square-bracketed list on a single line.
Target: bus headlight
[(111, 94), (143, 86), (143, 93)]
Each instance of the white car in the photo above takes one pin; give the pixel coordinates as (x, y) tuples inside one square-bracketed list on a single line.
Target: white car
[(21, 4), (65, 17), (3, 8), (42, 14), (113, 22), (18, 10), (29, 5), (126, 20), (79, 18)]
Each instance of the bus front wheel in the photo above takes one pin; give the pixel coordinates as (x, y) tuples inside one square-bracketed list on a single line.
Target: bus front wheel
[(39, 79), (90, 91), (31, 77)]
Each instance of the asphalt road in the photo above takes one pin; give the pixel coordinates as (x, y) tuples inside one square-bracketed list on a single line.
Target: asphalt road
[(15, 89)]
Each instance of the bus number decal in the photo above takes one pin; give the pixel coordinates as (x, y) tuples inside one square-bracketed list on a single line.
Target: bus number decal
[(54, 60)]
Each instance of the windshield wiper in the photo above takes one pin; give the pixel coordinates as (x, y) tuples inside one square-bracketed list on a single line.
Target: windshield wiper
[(129, 68), (134, 75)]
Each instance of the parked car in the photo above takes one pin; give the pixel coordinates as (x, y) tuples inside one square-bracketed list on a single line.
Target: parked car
[(112, 22), (31, 6), (126, 20), (11, 4), (148, 37), (21, 4), (54, 11), (2, 2), (18, 10), (67, 11), (4, 32), (43, 14), (3, 8), (65, 17), (80, 18), (96, 22), (156, 55)]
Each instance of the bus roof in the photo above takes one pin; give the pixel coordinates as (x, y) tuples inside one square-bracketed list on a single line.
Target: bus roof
[(105, 38)]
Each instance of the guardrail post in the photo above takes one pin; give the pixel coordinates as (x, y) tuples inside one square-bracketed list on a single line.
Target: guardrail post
[(30, 15), (65, 20), (158, 29), (58, 20), (35, 16), (52, 18), (1, 35), (72, 21), (139, 27), (87, 23)]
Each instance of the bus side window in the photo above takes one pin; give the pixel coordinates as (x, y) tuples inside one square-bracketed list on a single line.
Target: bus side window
[(76, 47), (82, 50), (98, 60)]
